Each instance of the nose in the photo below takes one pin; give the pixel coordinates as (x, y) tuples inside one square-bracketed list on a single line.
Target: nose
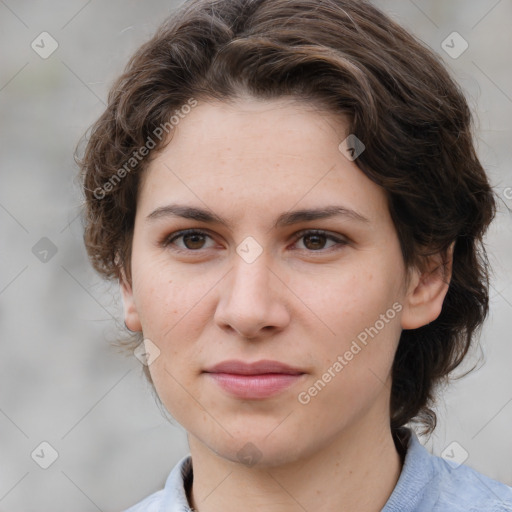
[(252, 300)]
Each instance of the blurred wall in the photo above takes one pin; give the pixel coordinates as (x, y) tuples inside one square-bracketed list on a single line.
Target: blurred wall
[(61, 381)]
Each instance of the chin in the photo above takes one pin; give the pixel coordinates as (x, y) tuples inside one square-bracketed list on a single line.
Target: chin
[(259, 448)]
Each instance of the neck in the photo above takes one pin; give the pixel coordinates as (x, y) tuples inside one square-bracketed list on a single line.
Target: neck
[(357, 471)]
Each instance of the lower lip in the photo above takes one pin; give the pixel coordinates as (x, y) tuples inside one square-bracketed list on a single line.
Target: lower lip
[(254, 386)]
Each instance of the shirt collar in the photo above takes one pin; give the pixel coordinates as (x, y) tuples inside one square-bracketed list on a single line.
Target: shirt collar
[(418, 470), (175, 496)]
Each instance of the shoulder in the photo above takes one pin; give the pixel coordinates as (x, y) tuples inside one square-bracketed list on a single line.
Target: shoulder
[(460, 487), (429, 483), (173, 497), (150, 504)]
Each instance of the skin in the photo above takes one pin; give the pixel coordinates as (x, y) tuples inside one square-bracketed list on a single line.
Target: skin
[(302, 302)]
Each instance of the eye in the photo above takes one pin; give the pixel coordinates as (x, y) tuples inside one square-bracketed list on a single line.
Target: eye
[(193, 240), (315, 240)]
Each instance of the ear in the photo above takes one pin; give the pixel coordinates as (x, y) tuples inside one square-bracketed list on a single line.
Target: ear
[(131, 316), (427, 290)]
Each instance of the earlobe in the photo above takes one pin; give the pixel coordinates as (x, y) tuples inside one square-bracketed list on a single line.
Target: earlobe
[(427, 291), (131, 316)]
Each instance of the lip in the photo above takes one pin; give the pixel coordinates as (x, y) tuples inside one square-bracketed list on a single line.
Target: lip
[(235, 366), (253, 381)]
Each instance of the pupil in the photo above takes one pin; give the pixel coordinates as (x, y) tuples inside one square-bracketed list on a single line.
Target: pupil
[(196, 239), (318, 241)]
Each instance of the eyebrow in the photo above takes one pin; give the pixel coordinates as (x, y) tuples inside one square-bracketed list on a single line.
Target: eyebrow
[(285, 219)]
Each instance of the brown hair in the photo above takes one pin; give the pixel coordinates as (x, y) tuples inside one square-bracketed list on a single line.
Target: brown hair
[(354, 60)]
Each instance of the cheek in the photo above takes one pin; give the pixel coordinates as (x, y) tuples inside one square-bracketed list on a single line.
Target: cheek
[(348, 301), (362, 308), (173, 307), (167, 298), (356, 362)]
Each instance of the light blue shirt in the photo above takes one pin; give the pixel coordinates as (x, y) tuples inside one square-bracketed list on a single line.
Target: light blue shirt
[(427, 483)]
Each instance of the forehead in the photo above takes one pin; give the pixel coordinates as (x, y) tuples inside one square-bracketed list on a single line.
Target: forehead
[(259, 155)]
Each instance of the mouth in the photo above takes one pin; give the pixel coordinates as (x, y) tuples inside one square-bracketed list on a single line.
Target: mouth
[(252, 381)]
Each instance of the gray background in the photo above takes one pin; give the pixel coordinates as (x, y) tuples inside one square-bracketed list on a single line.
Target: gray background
[(61, 380)]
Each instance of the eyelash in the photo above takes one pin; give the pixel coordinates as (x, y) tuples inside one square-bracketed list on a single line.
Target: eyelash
[(168, 241)]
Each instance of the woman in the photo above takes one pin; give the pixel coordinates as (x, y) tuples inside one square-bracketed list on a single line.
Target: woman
[(290, 198)]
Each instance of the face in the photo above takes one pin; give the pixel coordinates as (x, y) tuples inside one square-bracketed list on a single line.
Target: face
[(257, 278)]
